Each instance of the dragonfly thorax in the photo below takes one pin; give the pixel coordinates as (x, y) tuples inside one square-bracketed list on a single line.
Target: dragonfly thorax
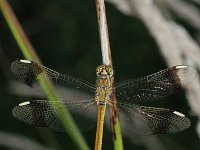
[(104, 84), (103, 95), (104, 71)]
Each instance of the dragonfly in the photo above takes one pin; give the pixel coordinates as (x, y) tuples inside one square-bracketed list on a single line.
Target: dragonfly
[(86, 101)]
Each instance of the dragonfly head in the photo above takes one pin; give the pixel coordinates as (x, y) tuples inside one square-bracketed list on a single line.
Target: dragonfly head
[(104, 71)]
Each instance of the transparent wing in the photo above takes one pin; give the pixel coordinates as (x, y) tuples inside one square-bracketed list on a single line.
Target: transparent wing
[(156, 86), (141, 120), (41, 113), (66, 86)]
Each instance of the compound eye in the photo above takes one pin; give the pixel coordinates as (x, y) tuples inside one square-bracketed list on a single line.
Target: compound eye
[(109, 71), (98, 70)]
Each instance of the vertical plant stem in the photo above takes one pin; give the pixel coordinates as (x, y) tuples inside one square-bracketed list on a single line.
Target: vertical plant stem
[(103, 33), (107, 60), (29, 53)]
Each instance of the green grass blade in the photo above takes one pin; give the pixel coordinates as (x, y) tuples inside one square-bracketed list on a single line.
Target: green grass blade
[(118, 142)]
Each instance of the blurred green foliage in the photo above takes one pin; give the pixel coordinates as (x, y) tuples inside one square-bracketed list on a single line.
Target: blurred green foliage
[(65, 35)]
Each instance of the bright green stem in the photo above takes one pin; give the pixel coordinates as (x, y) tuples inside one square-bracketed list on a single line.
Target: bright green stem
[(30, 54), (118, 142)]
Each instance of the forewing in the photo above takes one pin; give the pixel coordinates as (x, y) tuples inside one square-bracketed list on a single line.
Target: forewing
[(43, 113), (156, 86), (141, 120), (67, 87)]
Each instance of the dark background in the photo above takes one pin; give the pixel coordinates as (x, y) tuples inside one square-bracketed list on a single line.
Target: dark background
[(65, 36)]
